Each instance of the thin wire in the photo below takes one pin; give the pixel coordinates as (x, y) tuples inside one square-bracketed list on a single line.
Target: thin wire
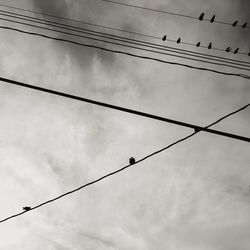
[(126, 53), (112, 28), (122, 109), (123, 45), (117, 171), (117, 38), (167, 12)]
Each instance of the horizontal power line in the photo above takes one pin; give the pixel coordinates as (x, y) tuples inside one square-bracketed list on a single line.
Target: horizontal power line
[(131, 111), (173, 13), (125, 40), (117, 171), (126, 53), (113, 28)]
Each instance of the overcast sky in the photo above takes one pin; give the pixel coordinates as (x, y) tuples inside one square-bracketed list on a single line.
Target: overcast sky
[(193, 196)]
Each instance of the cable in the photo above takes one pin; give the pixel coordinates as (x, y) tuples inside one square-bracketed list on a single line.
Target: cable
[(135, 112), (118, 38), (111, 28), (168, 12), (123, 45), (116, 171), (126, 53)]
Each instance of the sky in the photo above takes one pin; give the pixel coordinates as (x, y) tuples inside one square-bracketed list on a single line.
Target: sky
[(193, 196)]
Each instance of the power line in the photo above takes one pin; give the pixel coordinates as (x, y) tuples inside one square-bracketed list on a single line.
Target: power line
[(122, 39), (117, 171), (112, 28), (119, 108), (172, 13), (126, 53), (124, 45)]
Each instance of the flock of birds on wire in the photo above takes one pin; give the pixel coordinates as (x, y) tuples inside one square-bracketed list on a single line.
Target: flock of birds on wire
[(228, 49)]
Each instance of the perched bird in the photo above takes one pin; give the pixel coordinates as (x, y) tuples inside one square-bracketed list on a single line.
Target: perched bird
[(164, 38), (198, 44), (236, 51), (210, 46), (179, 40), (235, 23), (249, 54), (212, 19), (201, 16), (131, 160), (228, 49), (244, 25), (26, 208)]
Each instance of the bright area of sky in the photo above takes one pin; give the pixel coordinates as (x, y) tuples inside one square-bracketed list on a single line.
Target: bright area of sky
[(194, 196)]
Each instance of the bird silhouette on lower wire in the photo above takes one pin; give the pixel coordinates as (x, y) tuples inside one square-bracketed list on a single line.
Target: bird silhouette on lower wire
[(236, 51), (26, 208), (210, 46), (179, 40), (201, 16), (164, 38), (198, 44), (131, 160), (228, 49), (212, 19)]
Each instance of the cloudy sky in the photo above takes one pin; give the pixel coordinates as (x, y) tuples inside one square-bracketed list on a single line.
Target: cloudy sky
[(193, 196)]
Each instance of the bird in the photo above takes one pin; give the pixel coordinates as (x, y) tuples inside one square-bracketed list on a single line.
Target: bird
[(210, 46), (249, 54), (201, 16), (131, 160), (244, 25), (164, 38), (235, 23), (228, 49), (198, 44), (212, 19), (26, 208), (179, 40), (236, 51)]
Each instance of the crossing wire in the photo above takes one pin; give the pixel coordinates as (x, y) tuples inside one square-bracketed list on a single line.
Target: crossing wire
[(111, 28), (116, 171), (126, 110), (122, 39)]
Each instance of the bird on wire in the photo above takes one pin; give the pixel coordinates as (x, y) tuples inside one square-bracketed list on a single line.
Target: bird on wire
[(26, 208), (201, 16), (210, 46), (164, 38), (236, 51), (212, 19), (198, 44), (228, 49), (244, 25), (131, 160), (235, 23), (179, 40)]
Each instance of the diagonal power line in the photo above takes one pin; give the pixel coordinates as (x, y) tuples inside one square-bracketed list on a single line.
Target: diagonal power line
[(168, 12), (108, 27), (123, 52), (119, 40), (122, 109), (119, 170)]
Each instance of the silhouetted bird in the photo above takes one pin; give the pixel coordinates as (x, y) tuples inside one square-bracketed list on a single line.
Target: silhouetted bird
[(201, 16), (235, 23), (26, 208), (179, 40), (249, 54), (131, 160), (228, 49), (164, 38), (236, 51), (210, 46), (198, 44), (244, 25), (212, 19)]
